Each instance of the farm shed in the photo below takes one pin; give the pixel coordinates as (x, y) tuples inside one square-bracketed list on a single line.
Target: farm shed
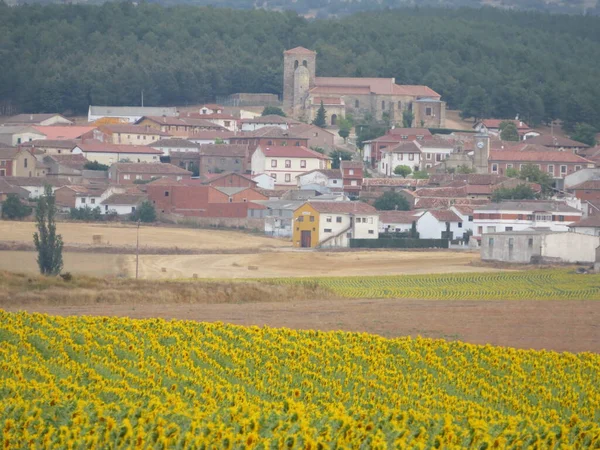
[(539, 246)]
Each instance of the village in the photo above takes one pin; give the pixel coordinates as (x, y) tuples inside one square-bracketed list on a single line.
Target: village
[(264, 165)]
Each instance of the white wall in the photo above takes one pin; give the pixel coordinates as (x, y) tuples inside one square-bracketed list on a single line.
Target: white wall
[(120, 209), (359, 229), (570, 247), (36, 191), (366, 227), (108, 157), (262, 164), (264, 181), (497, 225), (430, 228), (255, 126), (320, 179), (90, 202), (590, 231), (389, 161)]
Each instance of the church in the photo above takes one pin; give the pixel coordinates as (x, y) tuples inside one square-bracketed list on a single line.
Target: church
[(303, 93)]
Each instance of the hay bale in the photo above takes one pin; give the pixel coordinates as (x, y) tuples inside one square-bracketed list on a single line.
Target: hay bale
[(97, 239), (252, 267), (163, 269), (195, 275)]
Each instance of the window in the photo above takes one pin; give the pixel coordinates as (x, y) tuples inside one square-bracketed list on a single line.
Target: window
[(508, 228), (288, 177), (521, 166), (288, 163), (138, 137), (491, 242), (349, 235), (274, 176), (273, 163), (82, 199), (480, 230), (93, 201), (470, 218), (284, 143), (126, 176), (428, 166), (577, 168), (301, 219), (25, 163), (18, 140), (399, 105), (297, 144), (428, 155), (334, 181), (494, 168), (563, 169), (312, 218), (411, 156), (338, 219), (530, 242), (561, 218), (529, 216), (490, 229), (356, 103), (551, 168), (230, 199), (511, 243), (138, 177), (382, 104), (227, 123), (509, 166), (350, 171), (403, 137), (459, 224), (144, 137), (328, 219), (428, 112), (327, 230), (353, 183), (269, 142), (2, 173), (543, 217), (302, 163), (371, 232), (166, 193)]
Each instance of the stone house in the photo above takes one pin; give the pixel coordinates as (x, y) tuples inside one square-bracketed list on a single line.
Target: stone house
[(130, 173), (108, 154)]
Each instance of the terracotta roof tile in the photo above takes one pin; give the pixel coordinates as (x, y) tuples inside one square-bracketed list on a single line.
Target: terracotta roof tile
[(591, 221), (397, 217), (292, 151), (548, 140), (300, 50), (343, 207), (150, 168), (537, 157), (104, 147), (125, 199), (590, 185), (445, 215)]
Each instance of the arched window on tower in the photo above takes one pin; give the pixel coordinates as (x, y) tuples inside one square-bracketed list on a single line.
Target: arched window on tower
[(400, 106), (296, 64), (305, 63), (382, 104), (356, 103)]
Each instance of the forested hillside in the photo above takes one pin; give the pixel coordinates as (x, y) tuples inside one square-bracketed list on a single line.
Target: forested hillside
[(329, 8), (489, 62)]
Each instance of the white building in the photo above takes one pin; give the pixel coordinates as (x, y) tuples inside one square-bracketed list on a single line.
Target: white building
[(523, 215), (397, 221), (167, 146), (129, 114), (285, 163), (465, 213), (403, 154), (264, 181), (539, 247), (35, 185), (106, 153), (331, 178), (211, 108), (440, 224), (433, 152), (122, 203), (15, 135), (589, 225), (38, 119), (272, 120)]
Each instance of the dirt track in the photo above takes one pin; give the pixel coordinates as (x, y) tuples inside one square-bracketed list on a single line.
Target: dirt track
[(553, 325)]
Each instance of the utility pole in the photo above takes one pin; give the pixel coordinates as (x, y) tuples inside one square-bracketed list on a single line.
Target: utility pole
[(137, 251), (142, 98)]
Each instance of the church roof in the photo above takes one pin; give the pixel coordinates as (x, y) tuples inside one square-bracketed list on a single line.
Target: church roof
[(300, 50), (379, 86)]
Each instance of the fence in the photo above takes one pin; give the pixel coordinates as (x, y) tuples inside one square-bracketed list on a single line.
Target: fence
[(398, 243)]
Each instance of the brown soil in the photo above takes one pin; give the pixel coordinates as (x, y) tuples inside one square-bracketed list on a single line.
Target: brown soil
[(552, 325)]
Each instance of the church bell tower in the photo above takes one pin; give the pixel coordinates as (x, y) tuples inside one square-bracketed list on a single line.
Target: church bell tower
[(481, 153), (299, 68)]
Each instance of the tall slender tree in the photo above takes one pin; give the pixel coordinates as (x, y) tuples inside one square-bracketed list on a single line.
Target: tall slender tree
[(321, 119), (48, 244)]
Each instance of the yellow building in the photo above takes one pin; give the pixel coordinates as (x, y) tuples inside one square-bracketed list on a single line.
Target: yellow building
[(333, 224)]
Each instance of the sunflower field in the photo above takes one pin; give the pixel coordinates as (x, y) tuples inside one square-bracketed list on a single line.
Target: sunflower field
[(557, 284), (94, 382)]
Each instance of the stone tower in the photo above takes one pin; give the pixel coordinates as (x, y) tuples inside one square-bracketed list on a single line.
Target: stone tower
[(299, 66), (481, 153)]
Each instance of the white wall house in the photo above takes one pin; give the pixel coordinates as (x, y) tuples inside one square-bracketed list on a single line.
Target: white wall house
[(264, 181), (404, 154), (466, 216), (285, 163), (129, 114), (166, 146), (433, 152), (331, 178), (15, 135), (341, 221), (122, 203), (589, 226), (35, 185), (108, 154), (434, 223), (523, 215), (265, 121), (397, 221)]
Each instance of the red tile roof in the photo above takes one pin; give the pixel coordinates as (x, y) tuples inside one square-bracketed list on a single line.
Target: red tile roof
[(271, 118), (403, 147), (396, 182), (548, 140), (445, 215), (591, 221), (300, 50), (182, 122), (343, 207), (103, 147), (409, 132), (225, 150), (63, 132), (380, 86), (397, 217), (291, 151), (210, 134), (590, 185), (495, 123), (442, 192), (327, 100), (132, 129), (351, 165), (465, 210), (151, 168), (537, 157)]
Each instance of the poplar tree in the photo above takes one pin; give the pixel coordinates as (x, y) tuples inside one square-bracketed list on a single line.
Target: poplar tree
[(321, 119), (49, 245)]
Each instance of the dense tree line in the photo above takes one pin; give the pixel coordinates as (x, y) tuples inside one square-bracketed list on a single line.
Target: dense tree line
[(488, 62), (329, 8)]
